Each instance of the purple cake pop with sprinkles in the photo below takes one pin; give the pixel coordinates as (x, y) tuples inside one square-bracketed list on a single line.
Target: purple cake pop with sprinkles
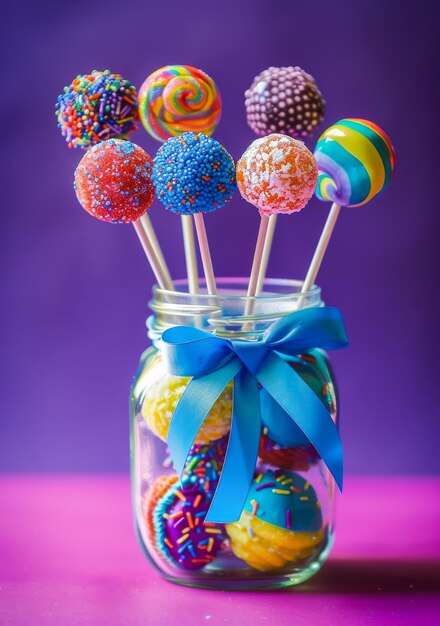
[(181, 534), (284, 100)]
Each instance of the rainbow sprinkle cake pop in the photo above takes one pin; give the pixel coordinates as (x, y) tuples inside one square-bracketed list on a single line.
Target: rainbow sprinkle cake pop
[(355, 160), (95, 107), (284, 100), (113, 181), (176, 99), (281, 522)]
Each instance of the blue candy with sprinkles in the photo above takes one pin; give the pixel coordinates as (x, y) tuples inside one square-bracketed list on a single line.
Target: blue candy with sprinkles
[(193, 173)]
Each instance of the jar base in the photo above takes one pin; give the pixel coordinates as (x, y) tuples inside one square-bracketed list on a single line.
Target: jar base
[(227, 580)]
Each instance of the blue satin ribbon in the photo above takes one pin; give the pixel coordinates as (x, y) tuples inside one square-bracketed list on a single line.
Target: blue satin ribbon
[(213, 362)]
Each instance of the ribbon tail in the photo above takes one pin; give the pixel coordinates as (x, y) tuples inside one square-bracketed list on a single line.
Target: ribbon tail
[(193, 407), (305, 408), (241, 456)]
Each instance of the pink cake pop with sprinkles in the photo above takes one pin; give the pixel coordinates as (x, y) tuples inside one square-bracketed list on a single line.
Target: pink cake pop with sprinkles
[(277, 174), (113, 183)]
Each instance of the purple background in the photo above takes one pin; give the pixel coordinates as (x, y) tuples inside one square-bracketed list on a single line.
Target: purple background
[(75, 291)]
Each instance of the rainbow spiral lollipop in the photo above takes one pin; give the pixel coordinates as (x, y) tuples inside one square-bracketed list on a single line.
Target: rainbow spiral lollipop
[(355, 161), (177, 99)]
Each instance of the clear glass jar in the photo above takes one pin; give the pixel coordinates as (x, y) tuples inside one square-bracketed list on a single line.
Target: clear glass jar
[(254, 552)]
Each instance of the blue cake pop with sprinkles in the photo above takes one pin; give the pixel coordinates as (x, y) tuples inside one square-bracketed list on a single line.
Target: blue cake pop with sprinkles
[(193, 173), (284, 499)]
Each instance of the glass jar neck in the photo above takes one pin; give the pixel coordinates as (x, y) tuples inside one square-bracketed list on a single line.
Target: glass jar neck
[(230, 313)]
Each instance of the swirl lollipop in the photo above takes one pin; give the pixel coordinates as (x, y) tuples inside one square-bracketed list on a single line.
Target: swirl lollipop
[(193, 174), (176, 99), (113, 183), (173, 100), (277, 174), (356, 161)]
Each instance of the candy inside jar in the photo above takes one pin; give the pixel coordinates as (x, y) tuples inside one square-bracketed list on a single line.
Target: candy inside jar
[(285, 529)]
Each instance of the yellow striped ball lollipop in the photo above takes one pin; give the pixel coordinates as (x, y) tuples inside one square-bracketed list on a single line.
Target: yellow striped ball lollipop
[(355, 161), (176, 99)]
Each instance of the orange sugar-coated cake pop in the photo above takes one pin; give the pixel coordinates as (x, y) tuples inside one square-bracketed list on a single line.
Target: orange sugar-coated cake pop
[(277, 174)]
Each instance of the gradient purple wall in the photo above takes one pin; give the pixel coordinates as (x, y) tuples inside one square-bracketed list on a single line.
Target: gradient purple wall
[(74, 291)]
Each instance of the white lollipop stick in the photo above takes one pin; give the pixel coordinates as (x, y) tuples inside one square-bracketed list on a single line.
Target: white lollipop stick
[(162, 279), (321, 248), (205, 254), (151, 236), (256, 264), (266, 253), (190, 254)]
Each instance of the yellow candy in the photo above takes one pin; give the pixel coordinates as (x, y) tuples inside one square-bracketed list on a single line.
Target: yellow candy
[(162, 395), (266, 547)]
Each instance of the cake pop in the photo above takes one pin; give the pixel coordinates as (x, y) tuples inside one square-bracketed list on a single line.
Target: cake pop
[(177, 99), (177, 527), (356, 161), (160, 400), (281, 522), (204, 464), (194, 174), (284, 100), (299, 458), (95, 107), (173, 100), (113, 183), (277, 174)]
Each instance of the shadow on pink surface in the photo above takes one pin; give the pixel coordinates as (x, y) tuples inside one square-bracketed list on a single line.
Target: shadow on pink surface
[(370, 576)]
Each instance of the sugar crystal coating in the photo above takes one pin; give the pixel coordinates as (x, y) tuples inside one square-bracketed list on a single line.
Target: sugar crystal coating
[(113, 181), (277, 174), (193, 173), (96, 107), (284, 100)]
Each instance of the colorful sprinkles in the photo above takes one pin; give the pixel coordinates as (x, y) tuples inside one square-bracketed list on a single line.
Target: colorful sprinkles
[(204, 464), (294, 507), (96, 107), (181, 535), (193, 173)]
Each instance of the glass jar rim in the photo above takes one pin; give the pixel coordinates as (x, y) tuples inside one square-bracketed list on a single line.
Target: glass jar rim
[(287, 289), (230, 310)]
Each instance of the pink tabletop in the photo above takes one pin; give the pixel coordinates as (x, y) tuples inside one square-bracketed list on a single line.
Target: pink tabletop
[(68, 556)]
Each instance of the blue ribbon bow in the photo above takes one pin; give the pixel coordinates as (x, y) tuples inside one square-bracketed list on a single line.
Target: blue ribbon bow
[(213, 362)]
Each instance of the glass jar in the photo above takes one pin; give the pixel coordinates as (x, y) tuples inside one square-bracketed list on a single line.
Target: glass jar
[(290, 479)]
